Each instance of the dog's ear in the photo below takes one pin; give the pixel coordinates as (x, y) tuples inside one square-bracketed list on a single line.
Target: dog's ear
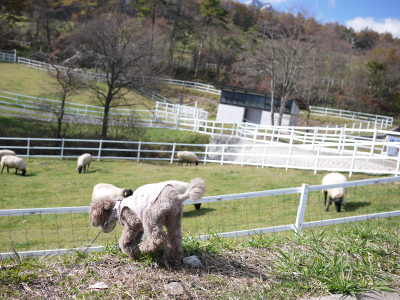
[(99, 211)]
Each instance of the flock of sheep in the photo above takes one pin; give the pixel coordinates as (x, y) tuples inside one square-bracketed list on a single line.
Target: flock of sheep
[(10, 160)]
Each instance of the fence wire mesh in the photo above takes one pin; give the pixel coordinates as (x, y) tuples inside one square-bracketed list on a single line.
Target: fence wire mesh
[(29, 232)]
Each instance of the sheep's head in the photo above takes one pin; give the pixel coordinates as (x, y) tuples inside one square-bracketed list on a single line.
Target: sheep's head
[(338, 203), (79, 168), (23, 172), (100, 212), (127, 193)]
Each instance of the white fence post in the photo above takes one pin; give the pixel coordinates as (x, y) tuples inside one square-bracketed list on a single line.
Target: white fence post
[(222, 155), (100, 146), (205, 155), (173, 153), (302, 208), (317, 160), (353, 160), (373, 141), (28, 147), (62, 148), (290, 148), (138, 153)]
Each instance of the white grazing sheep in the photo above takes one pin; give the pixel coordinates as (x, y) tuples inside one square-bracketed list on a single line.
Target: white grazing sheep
[(105, 190), (188, 157), (337, 194), (181, 186), (84, 161), (13, 162), (6, 152)]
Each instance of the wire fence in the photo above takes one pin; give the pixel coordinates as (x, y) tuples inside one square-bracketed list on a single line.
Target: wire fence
[(29, 231)]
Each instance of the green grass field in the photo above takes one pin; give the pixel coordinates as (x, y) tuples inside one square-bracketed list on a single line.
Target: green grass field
[(56, 183)]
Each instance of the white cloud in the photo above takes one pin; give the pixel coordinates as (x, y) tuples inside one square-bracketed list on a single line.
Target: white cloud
[(332, 3), (387, 25)]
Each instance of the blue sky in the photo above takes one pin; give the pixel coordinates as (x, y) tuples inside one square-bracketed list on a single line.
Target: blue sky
[(381, 16)]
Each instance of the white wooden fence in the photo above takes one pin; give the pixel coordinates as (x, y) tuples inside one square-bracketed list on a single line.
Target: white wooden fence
[(380, 120), (163, 111), (342, 155), (303, 207), (9, 57)]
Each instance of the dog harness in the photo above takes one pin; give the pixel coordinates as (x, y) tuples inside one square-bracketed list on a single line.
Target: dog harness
[(141, 199)]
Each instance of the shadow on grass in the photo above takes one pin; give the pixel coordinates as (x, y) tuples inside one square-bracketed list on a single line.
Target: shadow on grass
[(197, 213), (353, 206)]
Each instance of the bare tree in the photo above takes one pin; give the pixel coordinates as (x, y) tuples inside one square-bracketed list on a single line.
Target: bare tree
[(68, 84), (119, 48), (285, 53)]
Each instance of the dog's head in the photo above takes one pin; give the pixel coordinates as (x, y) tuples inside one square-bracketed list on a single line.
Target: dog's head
[(100, 212)]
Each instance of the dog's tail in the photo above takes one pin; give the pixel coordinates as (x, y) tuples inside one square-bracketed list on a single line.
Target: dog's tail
[(195, 191)]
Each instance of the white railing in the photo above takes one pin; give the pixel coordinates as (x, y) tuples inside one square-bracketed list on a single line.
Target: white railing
[(352, 115), (9, 57), (340, 156), (261, 211), (163, 112)]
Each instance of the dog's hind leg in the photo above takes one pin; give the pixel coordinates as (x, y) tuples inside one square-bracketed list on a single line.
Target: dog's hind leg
[(173, 254)]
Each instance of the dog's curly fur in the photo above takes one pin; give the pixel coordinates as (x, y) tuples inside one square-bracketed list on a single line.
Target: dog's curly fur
[(166, 211)]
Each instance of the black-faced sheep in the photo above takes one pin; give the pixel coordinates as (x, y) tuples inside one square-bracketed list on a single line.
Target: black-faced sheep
[(6, 152), (13, 162), (182, 186), (188, 157), (105, 190), (336, 195), (84, 162)]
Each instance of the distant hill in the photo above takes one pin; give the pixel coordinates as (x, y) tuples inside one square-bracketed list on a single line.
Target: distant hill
[(259, 4)]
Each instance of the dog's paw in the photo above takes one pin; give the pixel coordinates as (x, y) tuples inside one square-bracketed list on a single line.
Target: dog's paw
[(145, 247)]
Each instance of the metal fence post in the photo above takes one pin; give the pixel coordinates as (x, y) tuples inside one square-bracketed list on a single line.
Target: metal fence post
[(302, 208)]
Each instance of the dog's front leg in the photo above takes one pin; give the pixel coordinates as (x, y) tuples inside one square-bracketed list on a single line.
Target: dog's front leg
[(156, 238), (129, 242), (131, 234)]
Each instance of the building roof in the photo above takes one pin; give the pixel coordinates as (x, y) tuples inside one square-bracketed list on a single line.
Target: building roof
[(301, 103)]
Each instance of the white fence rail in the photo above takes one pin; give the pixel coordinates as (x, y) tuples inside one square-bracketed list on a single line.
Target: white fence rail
[(163, 112), (292, 209), (9, 57), (339, 156), (378, 120), (383, 121)]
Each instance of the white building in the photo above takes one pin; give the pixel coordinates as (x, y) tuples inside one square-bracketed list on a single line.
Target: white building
[(241, 105)]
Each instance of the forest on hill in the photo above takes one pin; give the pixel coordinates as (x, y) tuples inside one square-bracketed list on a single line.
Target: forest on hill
[(284, 54)]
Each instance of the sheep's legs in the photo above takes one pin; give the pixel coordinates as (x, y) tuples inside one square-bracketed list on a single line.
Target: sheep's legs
[(329, 204), (325, 194), (2, 170)]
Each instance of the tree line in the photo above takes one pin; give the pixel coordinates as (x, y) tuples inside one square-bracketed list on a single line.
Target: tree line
[(286, 55)]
